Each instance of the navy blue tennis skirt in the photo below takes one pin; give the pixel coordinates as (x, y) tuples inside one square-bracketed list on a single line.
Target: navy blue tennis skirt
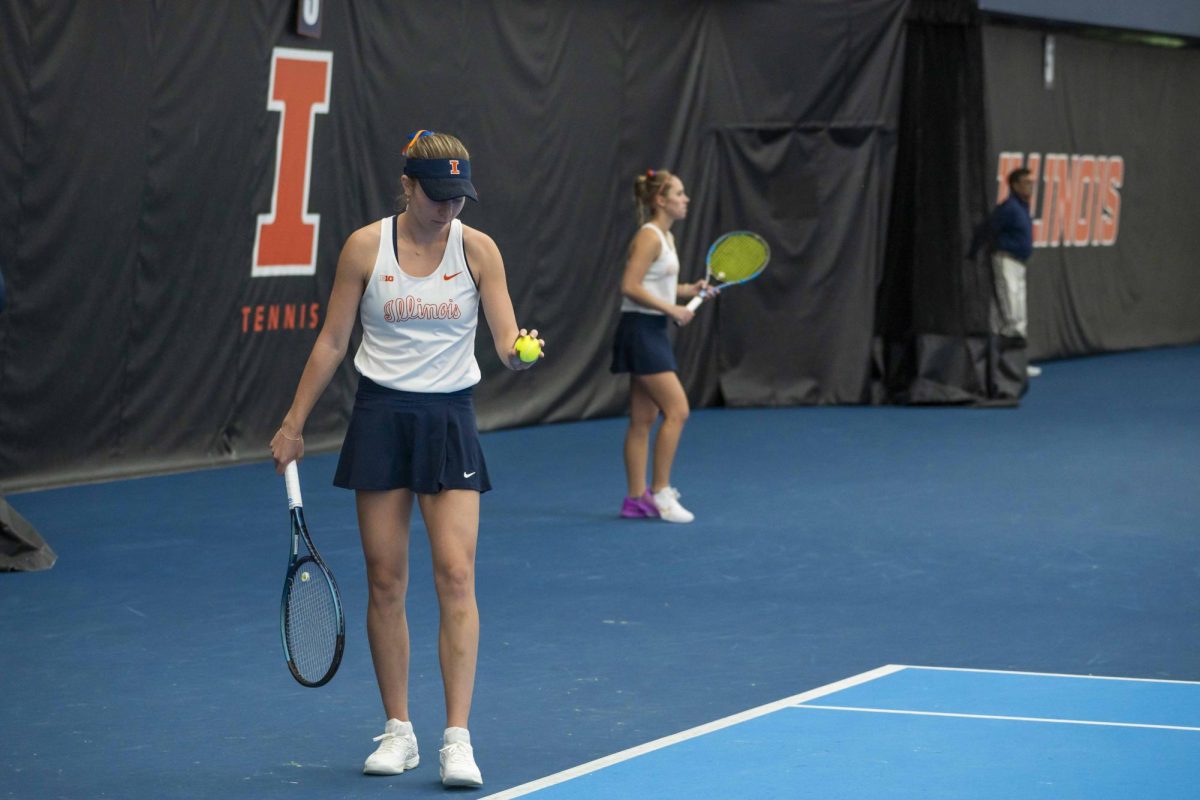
[(421, 441), (641, 345)]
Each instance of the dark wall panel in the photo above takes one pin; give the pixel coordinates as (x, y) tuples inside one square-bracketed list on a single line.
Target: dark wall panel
[(1112, 141), (138, 153)]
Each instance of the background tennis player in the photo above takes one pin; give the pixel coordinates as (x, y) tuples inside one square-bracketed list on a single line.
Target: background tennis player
[(650, 291)]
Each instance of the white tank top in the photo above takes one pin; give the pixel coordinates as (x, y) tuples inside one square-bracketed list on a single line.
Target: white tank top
[(419, 333), (662, 278)]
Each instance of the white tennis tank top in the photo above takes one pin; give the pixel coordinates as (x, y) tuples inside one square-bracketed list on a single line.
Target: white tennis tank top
[(662, 278), (419, 333)]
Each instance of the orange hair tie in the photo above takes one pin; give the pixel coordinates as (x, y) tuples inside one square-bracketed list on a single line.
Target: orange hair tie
[(413, 140)]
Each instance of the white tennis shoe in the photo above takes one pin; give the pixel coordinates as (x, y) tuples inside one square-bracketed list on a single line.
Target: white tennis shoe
[(397, 750), (458, 759), (666, 500)]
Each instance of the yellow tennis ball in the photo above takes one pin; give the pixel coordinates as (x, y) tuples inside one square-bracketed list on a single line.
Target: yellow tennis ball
[(303, 576), (528, 349), (720, 276)]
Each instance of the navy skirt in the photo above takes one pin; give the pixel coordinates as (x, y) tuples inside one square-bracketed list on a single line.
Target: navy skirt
[(642, 346), (421, 441)]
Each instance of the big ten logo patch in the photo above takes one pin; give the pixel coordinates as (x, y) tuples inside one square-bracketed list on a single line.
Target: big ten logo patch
[(285, 240), (1076, 198)]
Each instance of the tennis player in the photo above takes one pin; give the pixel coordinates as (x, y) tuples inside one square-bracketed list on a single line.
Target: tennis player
[(650, 294), (415, 280)]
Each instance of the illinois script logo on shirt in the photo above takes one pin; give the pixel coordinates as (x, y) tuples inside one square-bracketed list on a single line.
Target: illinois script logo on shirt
[(402, 309)]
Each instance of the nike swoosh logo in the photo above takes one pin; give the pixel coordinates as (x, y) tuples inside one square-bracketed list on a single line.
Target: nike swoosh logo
[(468, 474), (450, 278)]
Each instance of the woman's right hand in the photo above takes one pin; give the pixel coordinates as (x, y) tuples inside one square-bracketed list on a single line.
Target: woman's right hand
[(681, 314), (286, 448)]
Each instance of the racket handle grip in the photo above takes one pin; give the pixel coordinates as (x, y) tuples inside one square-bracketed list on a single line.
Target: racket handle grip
[(695, 302), (291, 479)]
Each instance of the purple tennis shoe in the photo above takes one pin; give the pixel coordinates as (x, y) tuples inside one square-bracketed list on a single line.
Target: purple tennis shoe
[(639, 507)]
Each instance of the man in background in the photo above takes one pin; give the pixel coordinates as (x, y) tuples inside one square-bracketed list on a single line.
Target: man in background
[(1012, 238)]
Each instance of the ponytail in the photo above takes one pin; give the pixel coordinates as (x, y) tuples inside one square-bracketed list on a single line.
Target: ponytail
[(646, 189)]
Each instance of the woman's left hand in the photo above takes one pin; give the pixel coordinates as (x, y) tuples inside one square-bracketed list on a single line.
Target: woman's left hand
[(514, 356), (697, 289)]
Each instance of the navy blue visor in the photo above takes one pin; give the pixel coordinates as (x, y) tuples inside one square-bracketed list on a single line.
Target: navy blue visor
[(442, 178)]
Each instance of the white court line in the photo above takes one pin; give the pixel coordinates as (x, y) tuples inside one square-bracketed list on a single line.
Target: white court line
[(1048, 674), (675, 738), (1000, 717), (797, 701)]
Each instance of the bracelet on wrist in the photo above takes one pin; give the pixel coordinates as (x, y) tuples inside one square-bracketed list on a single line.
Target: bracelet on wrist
[(299, 438)]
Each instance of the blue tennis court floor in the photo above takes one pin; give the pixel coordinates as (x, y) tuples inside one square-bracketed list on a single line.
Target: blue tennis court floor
[(902, 732), (1057, 537)]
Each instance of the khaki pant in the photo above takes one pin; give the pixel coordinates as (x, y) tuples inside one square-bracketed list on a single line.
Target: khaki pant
[(1008, 312)]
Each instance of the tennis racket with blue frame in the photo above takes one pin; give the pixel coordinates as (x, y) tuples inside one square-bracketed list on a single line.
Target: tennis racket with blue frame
[(311, 620), (737, 257)]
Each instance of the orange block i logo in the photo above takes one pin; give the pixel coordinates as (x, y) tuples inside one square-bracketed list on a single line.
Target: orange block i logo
[(285, 240)]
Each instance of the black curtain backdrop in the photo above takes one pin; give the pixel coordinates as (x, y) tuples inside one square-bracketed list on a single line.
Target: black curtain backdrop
[(932, 342), (1106, 102), (137, 152)]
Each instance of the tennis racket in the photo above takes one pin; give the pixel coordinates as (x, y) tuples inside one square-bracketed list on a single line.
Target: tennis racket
[(736, 257), (311, 619)]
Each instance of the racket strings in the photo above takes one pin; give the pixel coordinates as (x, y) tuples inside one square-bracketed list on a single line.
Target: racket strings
[(738, 258), (311, 623)]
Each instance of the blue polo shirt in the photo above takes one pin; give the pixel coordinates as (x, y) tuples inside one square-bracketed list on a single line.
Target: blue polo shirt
[(1012, 228)]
